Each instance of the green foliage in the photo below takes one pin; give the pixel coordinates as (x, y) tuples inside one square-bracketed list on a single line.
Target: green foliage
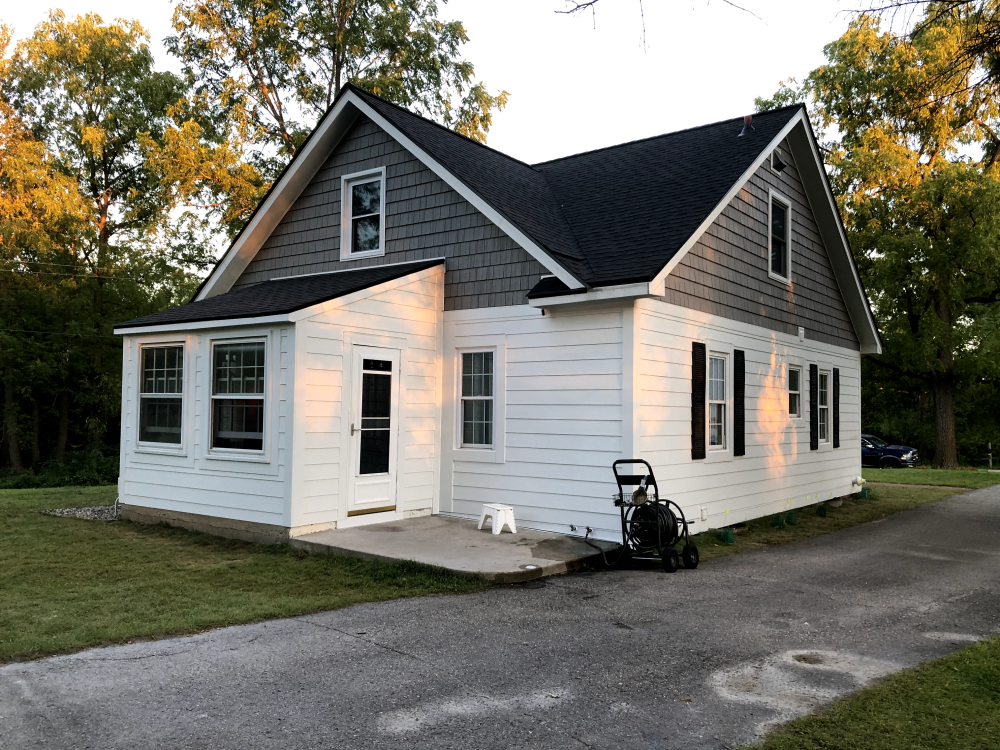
[(727, 536), (792, 518), (778, 522), (70, 584), (265, 71), (821, 511), (88, 468)]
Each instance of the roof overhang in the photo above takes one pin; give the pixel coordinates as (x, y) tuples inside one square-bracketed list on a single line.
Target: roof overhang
[(805, 151), (437, 269), (297, 175)]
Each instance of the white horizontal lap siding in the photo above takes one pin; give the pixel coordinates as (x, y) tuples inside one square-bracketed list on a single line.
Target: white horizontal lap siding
[(778, 472), (563, 390), (192, 481), (404, 315)]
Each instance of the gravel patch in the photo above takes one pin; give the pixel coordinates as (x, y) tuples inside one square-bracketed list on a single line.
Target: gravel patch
[(93, 513)]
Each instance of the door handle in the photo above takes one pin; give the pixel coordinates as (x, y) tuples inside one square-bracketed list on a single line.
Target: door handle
[(352, 429)]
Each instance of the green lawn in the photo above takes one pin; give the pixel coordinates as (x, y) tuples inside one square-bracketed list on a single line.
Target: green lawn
[(951, 703), (973, 480), (884, 501), (68, 584)]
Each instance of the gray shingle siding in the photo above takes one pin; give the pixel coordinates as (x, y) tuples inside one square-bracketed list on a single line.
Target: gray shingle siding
[(725, 273), (424, 218)]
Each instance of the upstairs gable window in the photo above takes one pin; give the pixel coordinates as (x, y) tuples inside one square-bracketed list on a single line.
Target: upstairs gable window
[(780, 239), (363, 218)]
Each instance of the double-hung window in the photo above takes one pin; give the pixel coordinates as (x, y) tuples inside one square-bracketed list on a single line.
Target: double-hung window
[(477, 399), (717, 403), (238, 378), (780, 238), (794, 392), (363, 215), (160, 394), (824, 407)]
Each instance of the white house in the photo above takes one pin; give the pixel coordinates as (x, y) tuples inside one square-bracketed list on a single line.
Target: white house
[(413, 323)]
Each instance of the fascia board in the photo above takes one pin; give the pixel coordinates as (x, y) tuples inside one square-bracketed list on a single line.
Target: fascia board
[(805, 151), (198, 325), (332, 304), (296, 178), (601, 294), (659, 281), (470, 195)]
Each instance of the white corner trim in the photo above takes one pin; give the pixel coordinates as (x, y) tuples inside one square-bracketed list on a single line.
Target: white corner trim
[(600, 294), (659, 281), (462, 189)]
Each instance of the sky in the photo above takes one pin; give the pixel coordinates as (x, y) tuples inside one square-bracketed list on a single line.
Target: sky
[(582, 82)]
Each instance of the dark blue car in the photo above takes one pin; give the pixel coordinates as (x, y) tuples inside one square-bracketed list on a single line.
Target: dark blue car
[(878, 453)]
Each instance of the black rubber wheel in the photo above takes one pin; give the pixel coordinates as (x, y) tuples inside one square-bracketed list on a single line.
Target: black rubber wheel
[(891, 463), (671, 560), (690, 556)]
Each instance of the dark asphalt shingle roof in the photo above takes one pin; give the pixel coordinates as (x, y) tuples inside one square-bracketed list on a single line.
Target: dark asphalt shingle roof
[(614, 215), (280, 296)]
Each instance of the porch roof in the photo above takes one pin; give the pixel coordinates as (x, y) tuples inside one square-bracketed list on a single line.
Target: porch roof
[(278, 296)]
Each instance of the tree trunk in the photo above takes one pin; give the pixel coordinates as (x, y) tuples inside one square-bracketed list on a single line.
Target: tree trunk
[(10, 427), (36, 450), (946, 449), (63, 435)]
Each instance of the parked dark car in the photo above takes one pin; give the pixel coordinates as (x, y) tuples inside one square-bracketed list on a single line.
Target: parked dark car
[(878, 453)]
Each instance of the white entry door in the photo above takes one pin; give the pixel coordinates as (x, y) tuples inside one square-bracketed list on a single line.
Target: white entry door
[(374, 430)]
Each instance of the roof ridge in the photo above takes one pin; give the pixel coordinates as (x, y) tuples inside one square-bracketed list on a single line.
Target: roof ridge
[(662, 135), (438, 125)]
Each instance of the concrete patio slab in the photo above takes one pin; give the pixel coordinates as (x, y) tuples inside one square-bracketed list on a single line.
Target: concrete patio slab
[(456, 544)]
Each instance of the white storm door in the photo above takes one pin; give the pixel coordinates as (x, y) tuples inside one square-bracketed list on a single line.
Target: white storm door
[(374, 430)]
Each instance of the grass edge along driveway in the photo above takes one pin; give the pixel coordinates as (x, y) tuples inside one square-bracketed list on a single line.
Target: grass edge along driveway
[(946, 703), (71, 584)]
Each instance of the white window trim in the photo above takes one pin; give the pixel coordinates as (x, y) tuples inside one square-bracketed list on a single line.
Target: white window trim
[(346, 235), (773, 195), (796, 418), (725, 351), (460, 401), (167, 449), (240, 454), (825, 370), (495, 453)]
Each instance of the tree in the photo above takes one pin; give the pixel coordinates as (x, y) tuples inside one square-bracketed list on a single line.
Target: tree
[(275, 66), (922, 214), (89, 96)]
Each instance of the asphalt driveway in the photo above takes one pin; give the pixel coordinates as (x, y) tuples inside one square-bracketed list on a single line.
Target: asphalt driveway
[(623, 659)]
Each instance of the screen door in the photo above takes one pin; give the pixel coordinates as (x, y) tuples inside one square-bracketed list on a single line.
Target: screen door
[(374, 430)]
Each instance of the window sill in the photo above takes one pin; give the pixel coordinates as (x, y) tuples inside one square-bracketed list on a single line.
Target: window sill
[(780, 279), (359, 256), (480, 455), (718, 455), (160, 450), (248, 457)]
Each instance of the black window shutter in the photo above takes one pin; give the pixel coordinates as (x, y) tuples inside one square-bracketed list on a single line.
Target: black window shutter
[(814, 407), (836, 408), (739, 404), (697, 400)]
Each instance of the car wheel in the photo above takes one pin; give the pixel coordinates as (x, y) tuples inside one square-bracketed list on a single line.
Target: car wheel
[(891, 463)]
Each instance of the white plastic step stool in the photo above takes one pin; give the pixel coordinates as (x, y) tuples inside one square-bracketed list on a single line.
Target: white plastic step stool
[(500, 514)]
